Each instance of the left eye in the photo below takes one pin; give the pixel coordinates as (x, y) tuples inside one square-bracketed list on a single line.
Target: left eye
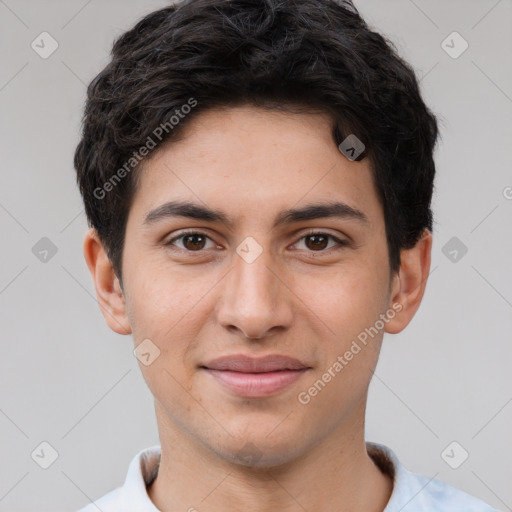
[(196, 241), (319, 241)]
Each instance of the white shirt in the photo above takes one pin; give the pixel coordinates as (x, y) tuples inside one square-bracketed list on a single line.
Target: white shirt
[(411, 492)]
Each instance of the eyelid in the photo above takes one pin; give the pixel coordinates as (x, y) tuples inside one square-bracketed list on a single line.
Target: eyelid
[(320, 231)]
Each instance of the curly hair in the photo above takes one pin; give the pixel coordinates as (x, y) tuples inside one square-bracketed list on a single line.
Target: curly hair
[(289, 55)]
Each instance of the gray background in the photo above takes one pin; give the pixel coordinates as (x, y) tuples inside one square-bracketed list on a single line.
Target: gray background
[(70, 381)]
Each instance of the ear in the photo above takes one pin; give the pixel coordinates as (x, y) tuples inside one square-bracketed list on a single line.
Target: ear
[(108, 290), (409, 283)]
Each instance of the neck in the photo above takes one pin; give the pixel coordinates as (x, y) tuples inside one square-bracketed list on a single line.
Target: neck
[(336, 475)]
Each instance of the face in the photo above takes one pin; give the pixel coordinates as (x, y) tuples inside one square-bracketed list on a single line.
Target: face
[(255, 282)]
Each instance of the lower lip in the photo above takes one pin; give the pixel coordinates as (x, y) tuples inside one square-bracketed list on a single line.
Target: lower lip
[(256, 384)]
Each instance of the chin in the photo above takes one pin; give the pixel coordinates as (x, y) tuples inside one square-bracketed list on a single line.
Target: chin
[(259, 451), (252, 456)]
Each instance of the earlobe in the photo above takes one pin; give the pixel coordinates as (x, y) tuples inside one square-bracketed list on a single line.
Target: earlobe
[(410, 282), (108, 290)]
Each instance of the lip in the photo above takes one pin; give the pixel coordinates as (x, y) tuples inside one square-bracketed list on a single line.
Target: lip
[(247, 364), (256, 385), (255, 377)]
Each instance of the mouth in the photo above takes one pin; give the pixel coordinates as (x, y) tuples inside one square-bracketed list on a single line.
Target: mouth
[(255, 377)]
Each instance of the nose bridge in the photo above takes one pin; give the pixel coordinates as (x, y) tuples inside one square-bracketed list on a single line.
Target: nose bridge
[(254, 300), (253, 279)]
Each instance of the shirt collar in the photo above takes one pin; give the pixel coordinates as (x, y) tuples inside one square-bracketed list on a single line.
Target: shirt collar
[(142, 470)]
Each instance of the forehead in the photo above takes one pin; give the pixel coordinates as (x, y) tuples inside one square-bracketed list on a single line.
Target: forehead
[(247, 161)]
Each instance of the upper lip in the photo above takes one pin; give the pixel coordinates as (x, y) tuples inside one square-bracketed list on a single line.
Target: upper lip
[(247, 364)]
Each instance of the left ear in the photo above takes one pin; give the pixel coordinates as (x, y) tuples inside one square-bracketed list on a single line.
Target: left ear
[(410, 282)]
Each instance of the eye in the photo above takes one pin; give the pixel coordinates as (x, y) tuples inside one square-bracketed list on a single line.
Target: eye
[(314, 241), (193, 241), (318, 241)]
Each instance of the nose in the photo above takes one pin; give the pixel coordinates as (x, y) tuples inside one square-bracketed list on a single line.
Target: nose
[(255, 299)]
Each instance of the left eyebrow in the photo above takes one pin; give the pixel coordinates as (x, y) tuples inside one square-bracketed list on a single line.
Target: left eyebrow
[(320, 211), (289, 216)]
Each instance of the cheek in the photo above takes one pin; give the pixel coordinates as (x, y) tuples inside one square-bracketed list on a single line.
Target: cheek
[(348, 307), (170, 310), (158, 298), (347, 300), (349, 303)]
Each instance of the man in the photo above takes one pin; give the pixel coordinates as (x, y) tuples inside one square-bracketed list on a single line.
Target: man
[(257, 176)]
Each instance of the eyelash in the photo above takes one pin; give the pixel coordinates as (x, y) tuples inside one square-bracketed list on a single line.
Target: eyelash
[(341, 243)]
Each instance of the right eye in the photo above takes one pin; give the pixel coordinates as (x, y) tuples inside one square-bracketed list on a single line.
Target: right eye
[(193, 241)]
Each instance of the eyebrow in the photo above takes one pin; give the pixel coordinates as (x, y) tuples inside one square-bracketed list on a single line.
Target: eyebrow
[(309, 212)]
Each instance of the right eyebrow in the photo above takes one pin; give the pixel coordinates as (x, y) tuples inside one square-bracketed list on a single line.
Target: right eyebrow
[(185, 209)]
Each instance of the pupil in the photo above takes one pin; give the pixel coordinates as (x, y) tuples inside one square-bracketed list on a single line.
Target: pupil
[(194, 244), (315, 244)]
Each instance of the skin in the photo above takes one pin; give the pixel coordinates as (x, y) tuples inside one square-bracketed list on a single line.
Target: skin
[(196, 305)]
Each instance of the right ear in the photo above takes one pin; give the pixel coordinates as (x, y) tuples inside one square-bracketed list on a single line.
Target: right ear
[(108, 289)]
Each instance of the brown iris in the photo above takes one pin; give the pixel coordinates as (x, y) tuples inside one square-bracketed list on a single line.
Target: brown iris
[(320, 241), (197, 243)]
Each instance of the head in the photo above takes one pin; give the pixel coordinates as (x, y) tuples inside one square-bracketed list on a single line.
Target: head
[(235, 112)]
